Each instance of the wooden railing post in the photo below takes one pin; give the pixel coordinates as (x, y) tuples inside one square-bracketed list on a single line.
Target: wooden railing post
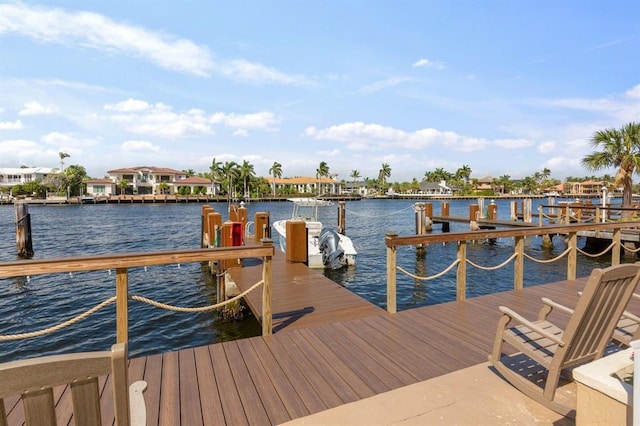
[(518, 266), (572, 258), (617, 246), (391, 276), (122, 305), (540, 215), (267, 313), (461, 273)]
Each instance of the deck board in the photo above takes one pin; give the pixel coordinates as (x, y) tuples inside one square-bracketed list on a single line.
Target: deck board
[(302, 297), (303, 370)]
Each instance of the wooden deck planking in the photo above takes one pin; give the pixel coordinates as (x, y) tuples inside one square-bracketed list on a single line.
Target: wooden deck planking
[(302, 297), (300, 371)]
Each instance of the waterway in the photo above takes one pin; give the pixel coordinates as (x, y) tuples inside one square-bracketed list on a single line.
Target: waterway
[(37, 302)]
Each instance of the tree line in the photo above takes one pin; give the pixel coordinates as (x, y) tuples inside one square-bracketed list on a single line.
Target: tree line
[(614, 148)]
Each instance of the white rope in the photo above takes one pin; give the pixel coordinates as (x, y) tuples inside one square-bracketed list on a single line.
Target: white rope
[(597, 254), (199, 309), (561, 255), (492, 268), (107, 302), (432, 277), (380, 215), (59, 326)]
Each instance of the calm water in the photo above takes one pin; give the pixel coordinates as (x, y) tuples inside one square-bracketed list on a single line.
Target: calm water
[(28, 304)]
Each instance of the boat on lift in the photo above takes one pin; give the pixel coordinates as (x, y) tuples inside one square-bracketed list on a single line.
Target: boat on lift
[(326, 248)]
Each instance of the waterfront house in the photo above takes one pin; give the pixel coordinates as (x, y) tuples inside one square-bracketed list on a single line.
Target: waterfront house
[(101, 187), (306, 185), (435, 188), (359, 188), (155, 180), (197, 185), (9, 177)]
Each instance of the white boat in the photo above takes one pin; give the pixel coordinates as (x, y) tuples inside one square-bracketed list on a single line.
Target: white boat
[(325, 247)]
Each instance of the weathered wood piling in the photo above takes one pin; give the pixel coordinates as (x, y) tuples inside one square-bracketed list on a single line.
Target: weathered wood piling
[(23, 231)]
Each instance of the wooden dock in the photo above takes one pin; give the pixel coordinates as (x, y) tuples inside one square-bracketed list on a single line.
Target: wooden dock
[(299, 371), (302, 296)]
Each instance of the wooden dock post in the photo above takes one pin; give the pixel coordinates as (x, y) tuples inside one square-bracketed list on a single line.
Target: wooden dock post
[(267, 310), (492, 211), (474, 212), (423, 224), (342, 218), (203, 224), (23, 231), (296, 246), (391, 275), (262, 227), (445, 209)]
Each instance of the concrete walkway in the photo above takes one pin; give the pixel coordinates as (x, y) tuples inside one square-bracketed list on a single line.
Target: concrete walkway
[(473, 396)]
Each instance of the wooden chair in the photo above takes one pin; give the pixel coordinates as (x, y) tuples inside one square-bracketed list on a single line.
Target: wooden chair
[(628, 327), (33, 381), (555, 350)]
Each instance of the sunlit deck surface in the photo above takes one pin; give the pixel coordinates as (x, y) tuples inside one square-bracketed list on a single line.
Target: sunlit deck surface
[(303, 370)]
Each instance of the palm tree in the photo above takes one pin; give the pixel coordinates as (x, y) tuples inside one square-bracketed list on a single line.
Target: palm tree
[(62, 155), (229, 170), (464, 173), (322, 171), (276, 172), (355, 175), (620, 148), (215, 171), (246, 172), (384, 173)]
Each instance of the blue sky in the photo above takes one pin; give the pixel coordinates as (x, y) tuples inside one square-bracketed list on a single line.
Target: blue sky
[(505, 87)]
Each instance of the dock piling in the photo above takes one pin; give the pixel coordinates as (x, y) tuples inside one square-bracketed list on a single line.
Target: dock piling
[(23, 230)]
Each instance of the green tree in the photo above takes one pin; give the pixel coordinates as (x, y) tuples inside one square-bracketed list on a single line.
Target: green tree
[(246, 172), (62, 155), (163, 187), (77, 176), (276, 172), (229, 171), (384, 173), (56, 182), (215, 173), (189, 172), (464, 173), (619, 148), (322, 171), (122, 186), (355, 175)]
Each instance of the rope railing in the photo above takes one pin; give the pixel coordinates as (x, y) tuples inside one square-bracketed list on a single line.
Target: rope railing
[(612, 230), (558, 257), (200, 308), (42, 332), (80, 317), (431, 277), (492, 268), (122, 262)]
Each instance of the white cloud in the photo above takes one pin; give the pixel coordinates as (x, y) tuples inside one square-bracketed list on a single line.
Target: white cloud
[(362, 136), (426, 63), (92, 30), (634, 92), (546, 147), (241, 133), (139, 146), (67, 140), (259, 120), (158, 119), (513, 143), (130, 105), (333, 153), (35, 108), (383, 84), (11, 125)]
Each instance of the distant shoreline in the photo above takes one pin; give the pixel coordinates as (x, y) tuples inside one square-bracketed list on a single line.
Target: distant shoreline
[(165, 199)]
